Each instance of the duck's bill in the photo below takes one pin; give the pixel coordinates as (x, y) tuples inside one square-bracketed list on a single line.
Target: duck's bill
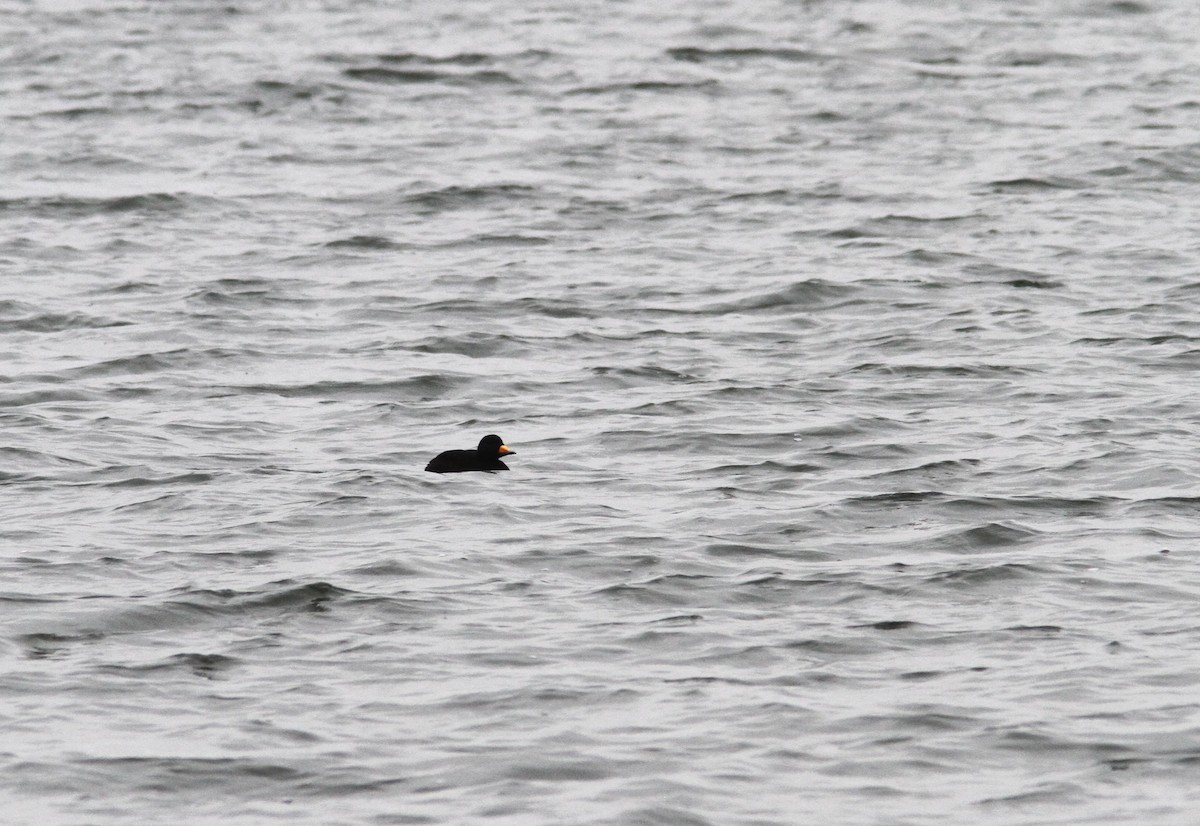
[(505, 450)]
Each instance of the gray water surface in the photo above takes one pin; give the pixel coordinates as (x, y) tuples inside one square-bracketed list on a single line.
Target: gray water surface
[(848, 350)]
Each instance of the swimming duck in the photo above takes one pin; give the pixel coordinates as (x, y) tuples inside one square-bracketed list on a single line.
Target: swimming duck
[(485, 457)]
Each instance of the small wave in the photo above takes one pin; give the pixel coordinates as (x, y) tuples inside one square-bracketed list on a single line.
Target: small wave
[(912, 497), (552, 769), (694, 54), (387, 568), (47, 397), (467, 197), (249, 293), (465, 59), (13, 598), (955, 370), (183, 607), (150, 482), (934, 674), (906, 227), (939, 468), (1025, 59), (1182, 505), (493, 240), (37, 322), (664, 815), (841, 646), (1021, 279), (270, 96), (1117, 7), (1068, 506), (365, 242), (384, 74), (770, 467), (1186, 105), (742, 550), (889, 625), (461, 59), (284, 593), (813, 292), (653, 372), (1047, 184), (986, 575), (426, 386), (78, 112), (1177, 164), (293, 89), (132, 365), (208, 666), (166, 502), (474, 345), (554, 308), (648, 86), (991, 535), (776, 588), (1047, 793), (175, 775), (40, 646), (665, 590), (678, 619), (787, 197), (1035, 629), (154, 203)]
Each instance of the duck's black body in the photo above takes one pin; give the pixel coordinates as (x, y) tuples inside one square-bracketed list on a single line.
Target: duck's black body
[(485, 457)]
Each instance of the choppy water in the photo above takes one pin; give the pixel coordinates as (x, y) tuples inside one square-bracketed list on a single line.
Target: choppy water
[(848, 350)]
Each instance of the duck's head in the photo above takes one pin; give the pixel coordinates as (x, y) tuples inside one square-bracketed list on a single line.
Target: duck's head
[(493, 445)]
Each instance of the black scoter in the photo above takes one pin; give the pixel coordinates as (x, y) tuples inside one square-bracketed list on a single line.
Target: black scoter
[(485, 457)]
